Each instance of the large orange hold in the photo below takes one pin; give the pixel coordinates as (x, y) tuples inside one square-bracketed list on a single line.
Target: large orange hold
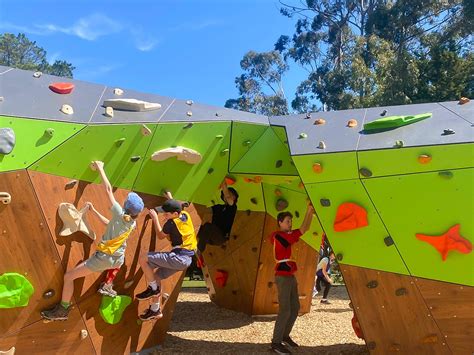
[(317, 168), (350, 216), (61, 88)]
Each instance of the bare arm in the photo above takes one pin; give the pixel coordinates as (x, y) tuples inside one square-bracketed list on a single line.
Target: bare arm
[(103, 219), (326, 275), (227, 194), (99, 165), (156, 222), (307, 219)]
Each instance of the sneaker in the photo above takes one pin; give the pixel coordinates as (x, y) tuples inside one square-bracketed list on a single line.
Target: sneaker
[(148, 293), (149, 315), (325, 301), (315, 293), (288, 341), (107, 290), (58, 312), (279, 348)]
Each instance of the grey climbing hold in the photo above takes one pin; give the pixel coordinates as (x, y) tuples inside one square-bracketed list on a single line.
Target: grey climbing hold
[(365, 172), (401, 291), (135, 158), (448, 132), (383, 113), (7, 140), (325, 202), (189, 125), (322, 145), (302, 136), (189, 102), (37, 74), (372, 284), (388, 241), (399, 143), (446, 174), (118, 92), (308, 116), (278, 163)]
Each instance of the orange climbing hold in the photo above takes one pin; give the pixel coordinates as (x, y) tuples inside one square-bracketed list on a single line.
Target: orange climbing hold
[(317, 168), (320, 121), (61, 88), (352, 123), (257, 179), (229, 180), (221, 277), (451, 240), (246, 179), (424, 158), (463, 100), (350, 216)]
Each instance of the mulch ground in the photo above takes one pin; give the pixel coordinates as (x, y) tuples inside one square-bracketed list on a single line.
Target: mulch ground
[(199, 326)]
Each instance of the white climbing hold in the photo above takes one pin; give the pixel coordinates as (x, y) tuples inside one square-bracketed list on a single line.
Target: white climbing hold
[(74, 220), (188, 155), (118, 92), (189, 102), (67, 109), (145, 130), (109, 112), (8, 352), (5, 198), (84, 334), (302, 136), (131, 105), (37, 74), (189, 113), (322, 145), (1, 98)]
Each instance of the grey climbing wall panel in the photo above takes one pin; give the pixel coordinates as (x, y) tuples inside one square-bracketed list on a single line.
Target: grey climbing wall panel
[(466, 110)]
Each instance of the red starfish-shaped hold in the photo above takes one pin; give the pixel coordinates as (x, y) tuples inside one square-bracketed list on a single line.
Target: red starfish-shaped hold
[(451, 240)]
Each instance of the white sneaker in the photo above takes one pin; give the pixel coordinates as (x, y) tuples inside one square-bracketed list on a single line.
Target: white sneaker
[(315, 293), (107, 290)]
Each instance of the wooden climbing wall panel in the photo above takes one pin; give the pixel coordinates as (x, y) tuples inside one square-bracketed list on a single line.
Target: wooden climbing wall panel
[(26, 248), (266, 297), (452, 309), (392, 313)]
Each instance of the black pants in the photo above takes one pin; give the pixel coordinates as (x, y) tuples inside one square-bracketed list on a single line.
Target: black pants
[(210, 234), (327, 286)]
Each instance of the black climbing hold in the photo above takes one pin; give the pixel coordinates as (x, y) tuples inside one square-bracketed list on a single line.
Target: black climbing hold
[(383, 113), (254, 200), (135, 158), (308, 115), (339, 257), (189, 125), (254, 249), (401, 291), (325, 202), (371, 345), (445, 174), (248, 212), (297, 214), (213, 202), (388, 241), (448, 132), (279, 163), (210, 171), (48, 294), (365, 172), (372, 284)]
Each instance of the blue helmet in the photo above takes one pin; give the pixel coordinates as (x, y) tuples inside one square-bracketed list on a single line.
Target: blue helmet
[(133, 204)]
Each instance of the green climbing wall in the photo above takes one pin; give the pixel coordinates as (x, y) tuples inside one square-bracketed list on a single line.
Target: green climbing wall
[(268, 155), (32, 140), (281, 134), (405, 160), (365, 246), (335, 166), (197, 183), (429, 204), (113, 144), (244, 136)]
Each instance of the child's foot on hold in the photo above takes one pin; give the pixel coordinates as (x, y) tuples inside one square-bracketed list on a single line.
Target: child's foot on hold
[(288, 341), (148, 293), (149, 314), (325, 301), (58, 312), (107, 290), (279, 348)]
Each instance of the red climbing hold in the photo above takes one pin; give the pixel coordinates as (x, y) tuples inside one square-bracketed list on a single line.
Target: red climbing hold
[(221, 277), (61, 88), (451, 240), (229, 180), (356, 327), (350, 216)]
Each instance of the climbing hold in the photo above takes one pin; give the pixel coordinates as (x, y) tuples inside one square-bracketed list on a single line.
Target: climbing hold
[(247, 142), (339, 257), (257, 179), (15, 290), (61, 88), (37, 74), (217, 114), (350, 216), (254, 249), (401, 292), (399, 143), (49, 132), (131, 105), (188, 125), (317, 168), (383, 113), (210, 170), (388, 241), (11, 351), (278, 163), (248, 212), (145, 130), (67, 109), (325, 202), (308, 115), (315, 234), (230, 180), (301, 185), (7, 140), (254, 200), (221, 277), (111, 308), (135, 158), (322, 145), (352, 123), (424, 158), (281, 204), (188, 155), (394, 121), (463, 100), (74, 220), (2, 98), (119, 142), (48, 294), (278, 192), (224, 151), (372, 284), (189, 113), (451, 240), (432, 338), (246, 179), (303, 136), (219, 136), (320, 121), (297, 214), (189, 102), (109, 112), (70, 184), (448, 131), (118, 92), (446, 174), (365, 172), (84, 334)]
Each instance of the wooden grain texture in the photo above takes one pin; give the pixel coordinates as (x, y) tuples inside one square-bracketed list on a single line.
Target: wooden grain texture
[(392, 323), (26, 247), (50, 338), (266, 297), (452, 308)]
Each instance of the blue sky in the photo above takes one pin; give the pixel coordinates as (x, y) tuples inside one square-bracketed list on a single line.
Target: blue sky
[(187, 49)]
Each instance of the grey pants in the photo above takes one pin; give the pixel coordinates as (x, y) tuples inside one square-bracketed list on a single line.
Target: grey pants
[(289, 306)]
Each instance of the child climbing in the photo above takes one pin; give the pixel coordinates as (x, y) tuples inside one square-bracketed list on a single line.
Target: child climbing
[(158, 266), (285, 279), (110, 251), (322, 276), (218, 231)]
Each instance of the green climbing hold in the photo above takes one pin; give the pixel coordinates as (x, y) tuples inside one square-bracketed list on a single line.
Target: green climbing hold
[(15, 290), (112, 308), (394, 121)]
